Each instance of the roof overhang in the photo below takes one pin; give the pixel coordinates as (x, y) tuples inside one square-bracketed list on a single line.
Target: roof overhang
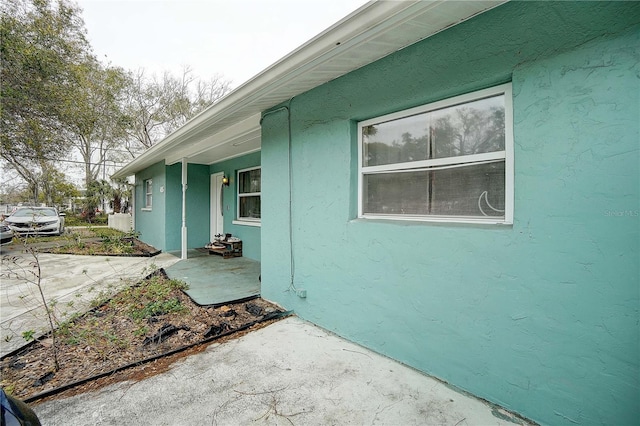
[(231, 127)]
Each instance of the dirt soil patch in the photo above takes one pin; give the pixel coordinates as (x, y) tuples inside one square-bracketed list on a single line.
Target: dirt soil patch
[(137, 325)]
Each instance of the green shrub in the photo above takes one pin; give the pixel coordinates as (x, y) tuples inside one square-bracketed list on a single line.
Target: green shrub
[(74, 220)]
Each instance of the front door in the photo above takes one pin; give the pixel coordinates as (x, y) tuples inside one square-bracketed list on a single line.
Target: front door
[(216, 205)]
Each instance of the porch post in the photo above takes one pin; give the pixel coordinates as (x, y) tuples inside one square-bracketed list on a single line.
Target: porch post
[(184, 209)]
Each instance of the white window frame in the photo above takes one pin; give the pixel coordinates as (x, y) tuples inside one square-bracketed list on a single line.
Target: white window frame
[(438, 163), (148, 194), (248, 221)]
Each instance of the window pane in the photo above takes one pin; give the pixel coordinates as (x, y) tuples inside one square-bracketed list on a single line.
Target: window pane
[(149, 193), (474, 190), (396, 141), (471, 128), (250, 207), (249, 181)]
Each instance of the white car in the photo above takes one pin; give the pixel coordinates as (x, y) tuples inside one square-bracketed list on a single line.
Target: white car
[(36, 220), (6, 234)]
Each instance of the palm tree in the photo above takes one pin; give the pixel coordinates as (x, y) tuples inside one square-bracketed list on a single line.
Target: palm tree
[(97, 192), (121, 191)]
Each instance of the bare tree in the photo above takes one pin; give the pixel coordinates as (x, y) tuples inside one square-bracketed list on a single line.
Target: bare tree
[(97, 118), (158, 106)]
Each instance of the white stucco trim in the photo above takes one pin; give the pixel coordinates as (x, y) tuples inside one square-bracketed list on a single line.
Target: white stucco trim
[(246, 223)]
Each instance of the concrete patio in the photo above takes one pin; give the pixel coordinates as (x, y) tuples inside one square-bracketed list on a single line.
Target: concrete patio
[(215, 281), (290, 372)]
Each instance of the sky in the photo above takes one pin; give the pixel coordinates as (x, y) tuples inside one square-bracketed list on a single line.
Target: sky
[(234, 39)]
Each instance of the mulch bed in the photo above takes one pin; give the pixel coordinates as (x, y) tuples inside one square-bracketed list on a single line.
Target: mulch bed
[(120, 342), (95, 247)]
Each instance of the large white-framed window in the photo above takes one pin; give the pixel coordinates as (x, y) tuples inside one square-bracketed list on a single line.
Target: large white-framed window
[(148, 194), (249, 194), (448, 161)]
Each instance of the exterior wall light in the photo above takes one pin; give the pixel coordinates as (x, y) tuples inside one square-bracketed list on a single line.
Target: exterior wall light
[(225, 181)]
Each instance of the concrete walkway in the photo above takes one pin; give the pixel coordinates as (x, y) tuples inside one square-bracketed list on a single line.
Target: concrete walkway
[(71, 281), (289, 373)]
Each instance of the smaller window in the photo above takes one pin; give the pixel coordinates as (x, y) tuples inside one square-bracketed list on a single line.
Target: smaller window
[(249, 190), (148, 188)]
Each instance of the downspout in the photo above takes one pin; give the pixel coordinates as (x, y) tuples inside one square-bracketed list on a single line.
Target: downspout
[(292, 266), (132, 207), (184, 209)]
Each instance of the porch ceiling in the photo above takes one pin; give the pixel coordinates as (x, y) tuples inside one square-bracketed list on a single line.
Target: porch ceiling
[(231, 127)]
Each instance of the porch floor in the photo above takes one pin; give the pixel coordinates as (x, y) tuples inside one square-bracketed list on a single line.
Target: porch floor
[(215, 281)]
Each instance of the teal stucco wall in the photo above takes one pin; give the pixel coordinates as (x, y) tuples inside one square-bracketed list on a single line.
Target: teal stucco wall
[(250, 235), (162, 225), (197, 206), (151, 223), (540, 317)]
